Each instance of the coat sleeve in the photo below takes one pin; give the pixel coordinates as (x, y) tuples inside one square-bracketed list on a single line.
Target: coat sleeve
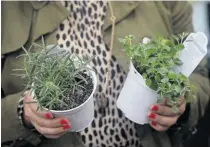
[(11, 127), (181, 19), (181, 16), (12, 101), (182, 22)]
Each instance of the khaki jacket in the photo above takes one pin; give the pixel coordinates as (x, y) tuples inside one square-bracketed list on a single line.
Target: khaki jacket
[(25, 22)]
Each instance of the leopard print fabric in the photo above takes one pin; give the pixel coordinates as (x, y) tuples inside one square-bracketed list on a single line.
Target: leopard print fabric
[(81, 33)]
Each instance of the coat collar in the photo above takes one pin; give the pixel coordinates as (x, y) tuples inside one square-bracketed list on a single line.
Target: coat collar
[(38, 4), (45, 17), (55, 13)]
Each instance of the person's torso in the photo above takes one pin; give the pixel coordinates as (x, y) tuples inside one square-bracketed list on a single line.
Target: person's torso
[(82, 32)]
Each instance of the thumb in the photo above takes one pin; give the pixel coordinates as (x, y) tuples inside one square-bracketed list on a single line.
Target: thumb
[(164, 102), (28, 97), (32, 104)]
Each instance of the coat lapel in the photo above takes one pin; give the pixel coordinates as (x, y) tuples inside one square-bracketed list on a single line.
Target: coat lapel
[(120, 10), (49, 18)]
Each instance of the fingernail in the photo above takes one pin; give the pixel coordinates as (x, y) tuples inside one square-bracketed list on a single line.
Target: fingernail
[(152, 116), (48, 115), (64, 122), (66, 127), (155, 108), (154, 123)]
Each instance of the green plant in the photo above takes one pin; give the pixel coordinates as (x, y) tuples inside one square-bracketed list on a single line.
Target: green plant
[(58, 80), (155, 61)]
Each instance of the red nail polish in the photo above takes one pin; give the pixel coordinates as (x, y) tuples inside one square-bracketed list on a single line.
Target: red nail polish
[(154, 123), (64, 122), (152, 116), (48, 115), (66, 127), (155, 108)]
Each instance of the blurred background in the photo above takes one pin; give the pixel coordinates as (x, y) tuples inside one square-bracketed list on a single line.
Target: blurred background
[(201, 21)]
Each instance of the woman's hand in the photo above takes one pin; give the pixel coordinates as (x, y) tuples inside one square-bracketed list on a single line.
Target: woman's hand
[(162, 117), (43, 121)]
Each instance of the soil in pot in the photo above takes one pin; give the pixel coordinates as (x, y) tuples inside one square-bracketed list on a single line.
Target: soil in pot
[(78, 96)]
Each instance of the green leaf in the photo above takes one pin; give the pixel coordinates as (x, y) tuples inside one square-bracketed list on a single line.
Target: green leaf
[(152, 59), (165, 42), (157, 77), (179, 47), (154, 85), (151, 47), (148, 82), (172, 75), (178, 62), (167, 48), (175, 38), (177, 89), (144, 75), (183, 77), (151, 70), (150, 51), (162, 70), (165, 80), (172, 52)]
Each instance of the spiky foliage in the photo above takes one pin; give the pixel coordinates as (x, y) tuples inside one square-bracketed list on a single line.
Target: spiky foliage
[(54, 75)]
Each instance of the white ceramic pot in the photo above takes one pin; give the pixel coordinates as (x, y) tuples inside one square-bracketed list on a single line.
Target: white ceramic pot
[(136, 97)]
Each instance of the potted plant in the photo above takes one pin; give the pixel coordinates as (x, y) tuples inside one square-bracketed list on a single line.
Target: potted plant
[(156, 73), (61, 83)]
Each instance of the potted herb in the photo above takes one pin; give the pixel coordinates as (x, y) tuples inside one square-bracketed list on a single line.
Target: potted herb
[(156, 72), (62, 84)]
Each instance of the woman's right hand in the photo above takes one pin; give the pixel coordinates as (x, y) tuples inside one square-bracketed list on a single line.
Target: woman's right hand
[(43, 121)]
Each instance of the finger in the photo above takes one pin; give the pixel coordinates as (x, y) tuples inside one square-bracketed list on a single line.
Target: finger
[(50, 123), (41, 113), (28, 97), (181, 100), (55, 136), (162, 110), (158, 127), (182, 108), (34, 107), (27, 114), (165, 101), (166, 110), (163, 120), (50, 131)]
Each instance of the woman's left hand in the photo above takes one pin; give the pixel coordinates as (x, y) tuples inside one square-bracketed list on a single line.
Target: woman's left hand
[(162, 117)]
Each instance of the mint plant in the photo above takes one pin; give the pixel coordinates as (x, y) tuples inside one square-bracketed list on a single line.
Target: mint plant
[(155, 61), (58, 80)]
